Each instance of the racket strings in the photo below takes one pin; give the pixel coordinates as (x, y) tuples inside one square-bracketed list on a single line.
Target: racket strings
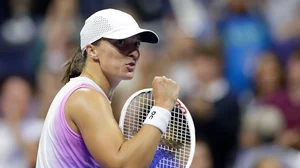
[(175, 145)]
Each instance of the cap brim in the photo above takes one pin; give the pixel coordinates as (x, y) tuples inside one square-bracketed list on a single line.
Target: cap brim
[(147, 36)]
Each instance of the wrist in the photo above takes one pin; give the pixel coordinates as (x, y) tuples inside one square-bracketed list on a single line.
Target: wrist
[(158, 117), (164, 106)]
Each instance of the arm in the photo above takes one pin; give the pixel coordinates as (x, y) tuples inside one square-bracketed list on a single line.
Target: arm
[(92, 114)]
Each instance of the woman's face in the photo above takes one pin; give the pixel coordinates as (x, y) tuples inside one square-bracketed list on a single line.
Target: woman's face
[(268, 74), (293, 72), (118, 58), (15, 98)]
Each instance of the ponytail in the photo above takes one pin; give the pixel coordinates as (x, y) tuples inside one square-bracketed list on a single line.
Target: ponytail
[(74, 66), (76, 63)]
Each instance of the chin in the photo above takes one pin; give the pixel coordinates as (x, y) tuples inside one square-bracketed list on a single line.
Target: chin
[(128, 76)]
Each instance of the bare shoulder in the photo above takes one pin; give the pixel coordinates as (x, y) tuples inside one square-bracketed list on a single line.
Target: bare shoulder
[(86, 97), (84, 105)]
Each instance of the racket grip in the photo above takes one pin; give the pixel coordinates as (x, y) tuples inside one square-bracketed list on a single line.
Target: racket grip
[(159, 118)]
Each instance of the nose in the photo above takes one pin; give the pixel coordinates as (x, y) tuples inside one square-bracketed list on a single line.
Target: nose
[(135, 54)]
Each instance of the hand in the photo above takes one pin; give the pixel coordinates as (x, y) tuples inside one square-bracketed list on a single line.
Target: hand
[(165, 92)]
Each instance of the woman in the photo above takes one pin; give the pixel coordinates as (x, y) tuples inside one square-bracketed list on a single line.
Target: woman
[(80, 130)]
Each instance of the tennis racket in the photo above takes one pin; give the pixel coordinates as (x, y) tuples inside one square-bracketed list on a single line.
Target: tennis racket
[(177, 145)]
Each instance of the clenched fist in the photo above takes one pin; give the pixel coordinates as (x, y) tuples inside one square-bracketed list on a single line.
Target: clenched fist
[(165, 92)]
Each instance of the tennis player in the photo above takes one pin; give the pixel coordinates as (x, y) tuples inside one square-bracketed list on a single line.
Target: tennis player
[(80, 129)]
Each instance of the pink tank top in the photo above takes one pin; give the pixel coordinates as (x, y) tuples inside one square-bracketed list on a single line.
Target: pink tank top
[(60, 146)]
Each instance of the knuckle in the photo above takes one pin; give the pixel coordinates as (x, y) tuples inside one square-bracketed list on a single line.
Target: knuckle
[(157, 79)]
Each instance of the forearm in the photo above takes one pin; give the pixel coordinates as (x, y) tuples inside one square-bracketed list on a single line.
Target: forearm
[(147, 139), (139, 151)]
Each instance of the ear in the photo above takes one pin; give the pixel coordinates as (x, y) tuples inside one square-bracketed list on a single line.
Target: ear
[(92, 52)]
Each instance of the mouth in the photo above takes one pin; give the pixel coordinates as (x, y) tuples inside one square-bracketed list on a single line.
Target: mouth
[(130, 66)]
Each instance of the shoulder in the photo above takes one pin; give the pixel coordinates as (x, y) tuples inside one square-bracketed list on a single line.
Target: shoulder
[(86, 97), (86, 102)]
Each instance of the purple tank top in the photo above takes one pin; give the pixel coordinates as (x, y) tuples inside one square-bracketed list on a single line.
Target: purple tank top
[(60, 146)]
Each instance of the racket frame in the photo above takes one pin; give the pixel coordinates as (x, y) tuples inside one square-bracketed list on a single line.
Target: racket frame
[(182, 107)]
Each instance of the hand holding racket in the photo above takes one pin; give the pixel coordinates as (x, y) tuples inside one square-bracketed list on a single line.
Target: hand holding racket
[(177, 145)]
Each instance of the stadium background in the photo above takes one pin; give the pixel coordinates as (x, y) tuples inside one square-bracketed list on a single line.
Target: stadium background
[(237, 63)]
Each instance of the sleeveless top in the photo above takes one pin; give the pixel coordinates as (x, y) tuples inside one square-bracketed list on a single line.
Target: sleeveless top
[(60, 146)]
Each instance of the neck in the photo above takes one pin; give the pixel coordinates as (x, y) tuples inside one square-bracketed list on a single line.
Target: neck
[(95, 73)]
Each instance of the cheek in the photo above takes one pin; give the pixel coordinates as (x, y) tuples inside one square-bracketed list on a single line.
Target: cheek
[(206, 70), (294, 73), (112, 63), (269, 76)]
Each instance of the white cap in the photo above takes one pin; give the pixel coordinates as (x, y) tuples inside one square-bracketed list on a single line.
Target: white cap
[(113, 24)]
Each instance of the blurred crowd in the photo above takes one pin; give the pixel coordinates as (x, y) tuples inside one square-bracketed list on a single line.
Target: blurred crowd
[(237, 63)]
